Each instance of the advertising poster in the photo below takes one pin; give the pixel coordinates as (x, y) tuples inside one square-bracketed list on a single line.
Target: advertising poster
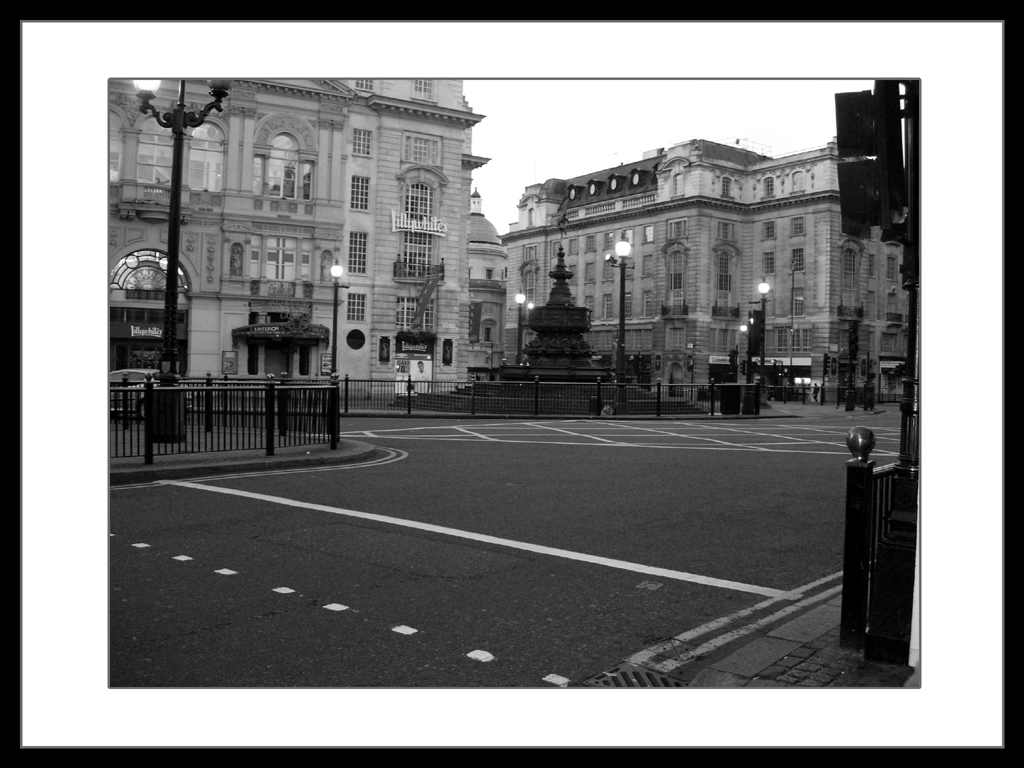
[(415, 359)]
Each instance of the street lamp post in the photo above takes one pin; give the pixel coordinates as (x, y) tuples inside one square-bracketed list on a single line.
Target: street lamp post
[(336, 272), (618, 259), (169, 423), (763, 287), (520, 298)]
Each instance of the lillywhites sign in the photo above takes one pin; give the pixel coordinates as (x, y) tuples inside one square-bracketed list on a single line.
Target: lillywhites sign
[(151, 331), (403, 222)]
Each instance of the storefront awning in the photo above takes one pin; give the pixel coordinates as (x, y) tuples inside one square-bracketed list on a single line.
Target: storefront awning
[(289, 332)]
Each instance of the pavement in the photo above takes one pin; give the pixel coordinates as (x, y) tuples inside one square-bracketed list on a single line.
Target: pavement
[(803, 652)]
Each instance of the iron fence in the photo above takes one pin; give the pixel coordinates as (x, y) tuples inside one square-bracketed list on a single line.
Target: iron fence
[(206, 415)]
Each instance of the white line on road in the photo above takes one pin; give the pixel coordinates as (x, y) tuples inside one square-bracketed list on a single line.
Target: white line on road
[(536, 548)]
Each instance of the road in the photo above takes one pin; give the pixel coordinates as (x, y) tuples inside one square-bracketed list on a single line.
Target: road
[(478, 553)]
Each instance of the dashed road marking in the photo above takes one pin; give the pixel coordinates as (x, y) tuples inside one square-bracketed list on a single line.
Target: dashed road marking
[(226, 572), (336, 607), (183, 558), (558, 680), (404, 630), (284, 590), (140, 546), (480, 655)]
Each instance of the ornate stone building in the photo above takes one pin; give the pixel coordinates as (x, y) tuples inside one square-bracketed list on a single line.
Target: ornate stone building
[(488, 273), (292, 177), (707, 222)]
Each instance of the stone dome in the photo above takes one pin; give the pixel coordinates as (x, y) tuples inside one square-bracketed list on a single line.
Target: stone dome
[(481, 230)]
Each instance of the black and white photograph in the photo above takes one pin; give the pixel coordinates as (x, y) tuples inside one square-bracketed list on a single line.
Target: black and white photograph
[(595, 364)]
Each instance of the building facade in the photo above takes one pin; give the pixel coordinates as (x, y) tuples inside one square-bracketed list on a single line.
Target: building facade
[(291, 178), (488, 276), (707, 223)]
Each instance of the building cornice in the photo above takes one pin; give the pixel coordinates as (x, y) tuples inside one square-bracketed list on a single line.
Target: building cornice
[(423, 111), (674, 205)]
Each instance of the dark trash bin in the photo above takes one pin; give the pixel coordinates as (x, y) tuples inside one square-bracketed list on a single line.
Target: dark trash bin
[(729, 400)]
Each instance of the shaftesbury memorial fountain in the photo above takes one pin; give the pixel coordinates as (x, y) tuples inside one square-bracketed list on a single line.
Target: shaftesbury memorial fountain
[(558, 352)]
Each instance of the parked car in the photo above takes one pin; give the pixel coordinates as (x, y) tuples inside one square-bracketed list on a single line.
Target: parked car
[(136, 380)]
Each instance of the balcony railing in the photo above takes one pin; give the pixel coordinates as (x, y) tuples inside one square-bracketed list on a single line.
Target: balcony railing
[(675, 310), (406, 271), (845, 311), (718, 311), (894, 317)]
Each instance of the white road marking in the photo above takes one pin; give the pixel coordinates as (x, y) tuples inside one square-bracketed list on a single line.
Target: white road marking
[(404, 630), (183, 558), (652, 651), (140, 546), (283, 590), (336, 607), (226, 572), (558, 680), (480, 655), (648, 570)]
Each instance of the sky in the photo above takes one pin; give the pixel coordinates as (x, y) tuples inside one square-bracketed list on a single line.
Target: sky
[(63, 349), (537, 129)]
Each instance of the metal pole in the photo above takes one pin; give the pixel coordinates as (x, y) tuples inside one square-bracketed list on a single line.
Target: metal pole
[(334, 331), (519, 338), (169, 355), (764, 331), (620, 356)]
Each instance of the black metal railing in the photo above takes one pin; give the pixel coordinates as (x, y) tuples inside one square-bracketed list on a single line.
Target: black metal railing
[(404, 269), (211, 416), (263, 414), (678, 309)]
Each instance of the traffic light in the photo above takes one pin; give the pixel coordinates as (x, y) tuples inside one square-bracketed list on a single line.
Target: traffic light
[(743, 367), (825, 367), (835, 366), (872, 180), (854, 341), (863, 367)]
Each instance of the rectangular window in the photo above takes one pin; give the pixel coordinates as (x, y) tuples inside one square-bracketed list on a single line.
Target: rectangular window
[(423, 150), (798, 259), (361, 141), (649, 233), (798, 301), (416, 248), (888, 342), (726, 186), (361, 193), (627, 235), (588, 272), (406, 309), (254, 257), (796, 227), (675, 279), (364, 85), (606, 300), (589, 247), (305, 260), (489, 273), (357, 253), (574, 246), (588, 302), (609, 239), (648, 300), (768, 230), (768, 262), (529, 253), (725, 230), (677, 229), (647, 265), (871, 265), (724, 277), (890, 268), (356, 307), (280, 258), (423, 89), (769, 187), (676, 338)]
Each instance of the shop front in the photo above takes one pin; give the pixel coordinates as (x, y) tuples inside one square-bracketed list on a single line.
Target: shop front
[(287, 348), (137, 338)]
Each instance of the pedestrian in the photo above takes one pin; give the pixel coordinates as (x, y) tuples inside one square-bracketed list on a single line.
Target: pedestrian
[(814, 392)]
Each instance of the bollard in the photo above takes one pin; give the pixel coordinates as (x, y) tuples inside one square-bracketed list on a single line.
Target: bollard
[(346, 393), (269, 402), (857, 538), (333, 409)]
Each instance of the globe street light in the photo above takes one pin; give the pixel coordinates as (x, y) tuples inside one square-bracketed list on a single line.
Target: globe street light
[(763, 289), (336, 272), (520, 298), (169, 422), (622, 251)]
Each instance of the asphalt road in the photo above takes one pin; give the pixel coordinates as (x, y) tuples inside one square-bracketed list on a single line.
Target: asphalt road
[(481, 554)]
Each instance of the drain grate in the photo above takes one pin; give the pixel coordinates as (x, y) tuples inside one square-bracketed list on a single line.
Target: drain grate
[(633, 676)]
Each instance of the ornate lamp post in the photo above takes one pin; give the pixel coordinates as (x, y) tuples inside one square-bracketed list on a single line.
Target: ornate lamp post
[(336, 272), (169, 424), (618, 259)]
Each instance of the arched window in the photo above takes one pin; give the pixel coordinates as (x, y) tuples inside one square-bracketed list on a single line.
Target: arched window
[(530, 285), (676, 281), (798, 181), (154, 158), (206, 158), (281, 173), (769, 186), (723, 279), (145, 271)]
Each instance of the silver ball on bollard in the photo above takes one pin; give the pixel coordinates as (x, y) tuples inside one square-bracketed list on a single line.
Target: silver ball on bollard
[(860, 441)]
